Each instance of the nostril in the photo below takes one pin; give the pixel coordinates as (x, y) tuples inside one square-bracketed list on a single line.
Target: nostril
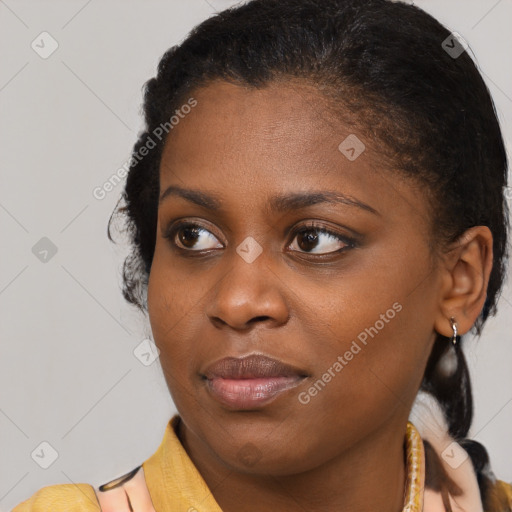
[(218, 322), (259, 318)]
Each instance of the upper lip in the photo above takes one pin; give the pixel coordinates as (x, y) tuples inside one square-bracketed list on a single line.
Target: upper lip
[(253, 366)]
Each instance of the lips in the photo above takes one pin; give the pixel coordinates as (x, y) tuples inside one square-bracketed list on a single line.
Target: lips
[(250, 382)]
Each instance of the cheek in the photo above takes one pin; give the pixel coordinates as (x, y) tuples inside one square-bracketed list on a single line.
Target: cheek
[(171, 299), (369, 334), (362, 377)]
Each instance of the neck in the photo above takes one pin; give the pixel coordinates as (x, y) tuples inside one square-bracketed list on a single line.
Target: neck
[(369, 476)]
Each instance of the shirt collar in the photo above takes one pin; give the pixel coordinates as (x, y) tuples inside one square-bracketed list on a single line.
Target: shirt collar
[(174, 482)]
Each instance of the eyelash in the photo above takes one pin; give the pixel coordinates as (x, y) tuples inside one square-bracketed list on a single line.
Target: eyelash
[(349, 242)]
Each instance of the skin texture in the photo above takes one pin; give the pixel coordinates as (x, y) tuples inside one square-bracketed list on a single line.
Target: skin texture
[(343, 450)]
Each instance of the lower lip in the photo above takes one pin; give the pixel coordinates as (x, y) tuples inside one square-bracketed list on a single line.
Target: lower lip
[(250, 393)]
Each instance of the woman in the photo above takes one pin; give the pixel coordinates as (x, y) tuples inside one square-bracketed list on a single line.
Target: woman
[(317, 217)]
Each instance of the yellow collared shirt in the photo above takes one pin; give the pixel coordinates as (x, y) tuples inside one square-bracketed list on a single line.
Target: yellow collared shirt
[(169, 482)]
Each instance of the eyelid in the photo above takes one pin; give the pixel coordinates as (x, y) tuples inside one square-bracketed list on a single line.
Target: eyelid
[(173, 226), (350, 241)]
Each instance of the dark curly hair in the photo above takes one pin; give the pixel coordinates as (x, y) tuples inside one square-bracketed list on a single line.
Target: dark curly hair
[(382, 65)]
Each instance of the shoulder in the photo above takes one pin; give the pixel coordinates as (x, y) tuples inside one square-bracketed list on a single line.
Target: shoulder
[(504, 490), (126, 493), (498, 496), (65, 498)]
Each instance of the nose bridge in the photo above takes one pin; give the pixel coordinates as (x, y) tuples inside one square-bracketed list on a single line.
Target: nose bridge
[(249, 266), (250, 289)]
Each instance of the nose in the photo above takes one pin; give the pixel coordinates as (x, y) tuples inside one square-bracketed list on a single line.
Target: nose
[(249, 294)]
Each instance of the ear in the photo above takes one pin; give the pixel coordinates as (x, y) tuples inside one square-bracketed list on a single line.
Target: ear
[(466, 268)]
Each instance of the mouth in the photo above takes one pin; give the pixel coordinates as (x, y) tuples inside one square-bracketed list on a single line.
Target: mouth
[(250, 382)]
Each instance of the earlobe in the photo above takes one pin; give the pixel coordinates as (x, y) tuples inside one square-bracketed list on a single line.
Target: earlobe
[(467, 269)]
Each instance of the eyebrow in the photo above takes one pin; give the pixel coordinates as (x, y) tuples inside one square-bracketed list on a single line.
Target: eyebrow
[(278, 204)]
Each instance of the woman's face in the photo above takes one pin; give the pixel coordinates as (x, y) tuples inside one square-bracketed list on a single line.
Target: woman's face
[(297, 249)]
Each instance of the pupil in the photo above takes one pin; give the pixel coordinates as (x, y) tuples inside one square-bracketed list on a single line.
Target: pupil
[(188, 236), (308, 239)]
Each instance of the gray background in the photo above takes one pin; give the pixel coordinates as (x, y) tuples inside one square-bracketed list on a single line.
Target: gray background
[(68, 373)]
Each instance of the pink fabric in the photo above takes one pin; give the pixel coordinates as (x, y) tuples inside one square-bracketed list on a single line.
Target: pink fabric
[(429, 423), (429, 420), (133, 495)]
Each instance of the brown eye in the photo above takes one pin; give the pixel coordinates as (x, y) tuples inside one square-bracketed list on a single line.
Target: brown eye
[(192, 237), (188, 236), (314, 240)]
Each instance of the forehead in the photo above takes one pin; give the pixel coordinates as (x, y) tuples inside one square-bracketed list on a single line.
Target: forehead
[(241, 141), (274, 119)]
